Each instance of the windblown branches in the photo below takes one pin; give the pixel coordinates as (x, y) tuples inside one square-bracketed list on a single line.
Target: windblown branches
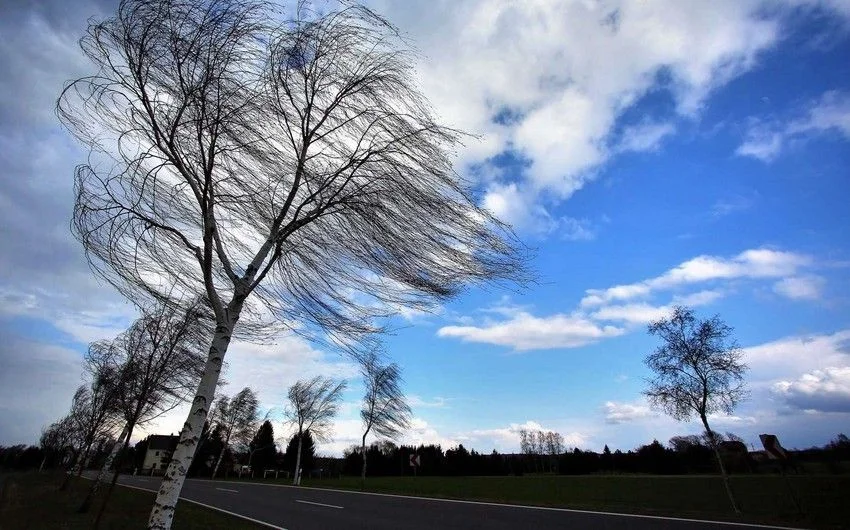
[(313, 404), (296, 161), (385, 410), (158, 361), (237, 416), (698, 367)]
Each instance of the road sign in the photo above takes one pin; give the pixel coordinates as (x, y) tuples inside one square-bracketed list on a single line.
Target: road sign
[(414, 460), (771, 445)]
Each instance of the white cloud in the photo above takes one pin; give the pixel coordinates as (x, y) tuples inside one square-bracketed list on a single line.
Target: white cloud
[(800, 287), (632, 313), (645, 137), (826, 390), (527, 332), (269, 369), (617, 412), (437, 402), (488, 59), (754, 264), (577, 229), (623, 304), (830, 113), (789, 357)]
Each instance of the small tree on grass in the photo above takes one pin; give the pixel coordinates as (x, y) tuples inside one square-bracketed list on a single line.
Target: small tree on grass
[(56, 440), (237, 419), (384, 410), (698, 371), (93, 413), (312, 406)]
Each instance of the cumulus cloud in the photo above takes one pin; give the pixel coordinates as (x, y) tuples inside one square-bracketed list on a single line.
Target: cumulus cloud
[(826, 390), (558, 112), (528, 332), (789, 357), (618, 412), (610, 312), (766, 140), (754, 264)]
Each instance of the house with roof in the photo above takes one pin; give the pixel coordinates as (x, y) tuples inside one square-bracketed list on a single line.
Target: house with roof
[(158, 454)]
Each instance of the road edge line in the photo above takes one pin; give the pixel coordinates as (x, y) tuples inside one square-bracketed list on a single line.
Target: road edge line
[(522, 506), (240, 516)]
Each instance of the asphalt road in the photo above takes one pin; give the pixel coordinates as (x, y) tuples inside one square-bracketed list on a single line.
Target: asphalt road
[(292, 508)]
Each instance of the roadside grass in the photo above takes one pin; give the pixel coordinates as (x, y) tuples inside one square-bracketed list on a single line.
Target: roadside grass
[(32, 501), (764, 499)]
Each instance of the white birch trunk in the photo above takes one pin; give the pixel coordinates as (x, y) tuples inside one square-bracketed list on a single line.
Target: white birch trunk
[(221, 454), (162, 513), (295, 481)]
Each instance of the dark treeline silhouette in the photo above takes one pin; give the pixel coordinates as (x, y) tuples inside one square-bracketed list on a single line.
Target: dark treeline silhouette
[(682, 455)]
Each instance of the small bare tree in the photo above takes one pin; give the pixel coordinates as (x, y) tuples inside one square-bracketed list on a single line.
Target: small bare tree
[(385, 410), (158, 362), (312, 406), (237, 419), (56, 440), (93, 413), (290, 170), (698, 371)]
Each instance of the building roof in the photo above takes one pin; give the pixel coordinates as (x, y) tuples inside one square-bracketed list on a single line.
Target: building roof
[(162, 442)]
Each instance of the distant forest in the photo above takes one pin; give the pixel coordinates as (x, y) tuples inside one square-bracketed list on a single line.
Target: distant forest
[(681, 455)]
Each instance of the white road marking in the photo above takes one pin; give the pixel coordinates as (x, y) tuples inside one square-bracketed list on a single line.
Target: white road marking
[(225, 489), (320, 504)]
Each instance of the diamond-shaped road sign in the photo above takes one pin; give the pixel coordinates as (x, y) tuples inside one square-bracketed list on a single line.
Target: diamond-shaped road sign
[(414, 460), (771, 445)]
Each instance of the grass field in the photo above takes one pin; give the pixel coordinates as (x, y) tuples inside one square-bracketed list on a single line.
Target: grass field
[(763, 498), (31, 501)]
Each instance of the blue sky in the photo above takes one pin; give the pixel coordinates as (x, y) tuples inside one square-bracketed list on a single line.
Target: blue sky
[(651, 153)]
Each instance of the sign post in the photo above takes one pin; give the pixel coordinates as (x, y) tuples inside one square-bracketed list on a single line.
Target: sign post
[(777, 452), (414, 462)]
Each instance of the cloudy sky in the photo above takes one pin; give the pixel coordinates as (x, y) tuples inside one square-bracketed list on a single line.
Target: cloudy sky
[(652, 152)]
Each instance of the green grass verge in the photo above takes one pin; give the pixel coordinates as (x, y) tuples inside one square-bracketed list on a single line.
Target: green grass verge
[(763, 498), (32, 501)]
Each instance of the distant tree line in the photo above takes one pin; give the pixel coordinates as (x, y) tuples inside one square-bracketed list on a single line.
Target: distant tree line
[(681, 455)]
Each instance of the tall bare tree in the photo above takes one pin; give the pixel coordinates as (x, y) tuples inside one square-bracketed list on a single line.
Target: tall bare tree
[(290, 170), (385, 410), (698, 371), (312, 406), (158, 362), (237, 418)]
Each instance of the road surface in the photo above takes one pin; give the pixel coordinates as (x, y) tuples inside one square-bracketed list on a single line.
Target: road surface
[(292, 508)]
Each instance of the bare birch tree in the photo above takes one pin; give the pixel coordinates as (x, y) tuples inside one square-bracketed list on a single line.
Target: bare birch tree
[(312, 406), (93, 413), (285, 170), (57, 440), (385, 410), (237, 418), (698, 371), (157, 362)]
